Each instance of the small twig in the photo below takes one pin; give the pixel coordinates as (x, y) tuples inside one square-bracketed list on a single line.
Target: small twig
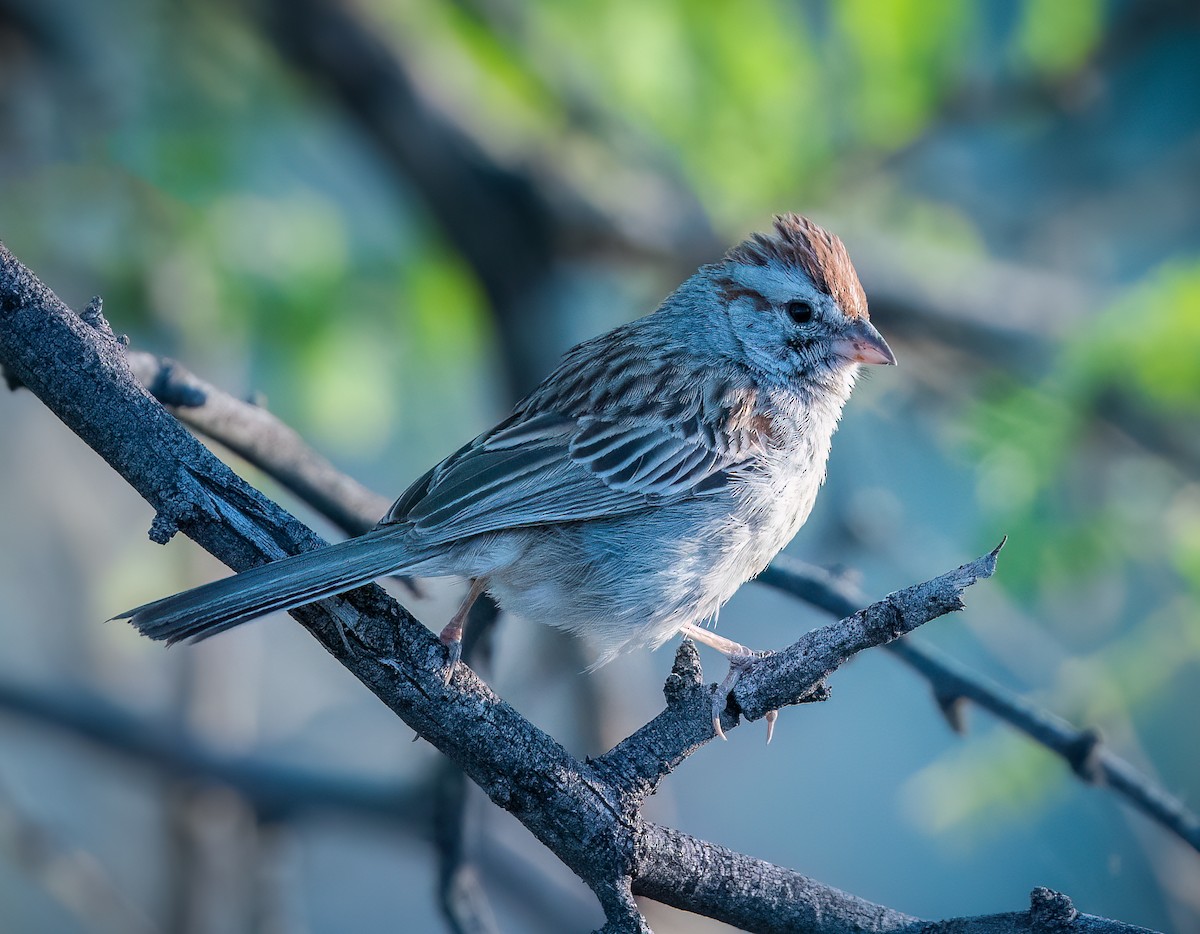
[(1082, 749), (263, 440)]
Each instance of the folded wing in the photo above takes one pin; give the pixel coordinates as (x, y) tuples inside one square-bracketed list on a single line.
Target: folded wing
[(548, 468)]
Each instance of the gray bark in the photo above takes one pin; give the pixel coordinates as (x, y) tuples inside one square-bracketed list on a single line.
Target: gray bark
[(586, 813)]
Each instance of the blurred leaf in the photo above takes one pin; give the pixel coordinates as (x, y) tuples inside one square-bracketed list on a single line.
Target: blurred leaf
[(1055, 36), (984, 785), (1073, 503), (1148, 343), (347, 393), (904, 52)]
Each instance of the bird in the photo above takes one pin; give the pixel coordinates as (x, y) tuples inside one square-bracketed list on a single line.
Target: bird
[(631, 493)]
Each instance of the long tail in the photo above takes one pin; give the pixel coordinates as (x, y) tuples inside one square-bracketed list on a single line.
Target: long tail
[(281, 585)]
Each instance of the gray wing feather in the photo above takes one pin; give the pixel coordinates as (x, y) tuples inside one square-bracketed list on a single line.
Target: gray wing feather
[(482, 478), (551, 468)]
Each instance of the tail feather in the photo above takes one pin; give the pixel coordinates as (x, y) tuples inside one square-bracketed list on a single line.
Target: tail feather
[(281, 585)]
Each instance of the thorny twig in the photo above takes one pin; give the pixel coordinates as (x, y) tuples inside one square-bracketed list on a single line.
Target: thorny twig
[(952, 684)]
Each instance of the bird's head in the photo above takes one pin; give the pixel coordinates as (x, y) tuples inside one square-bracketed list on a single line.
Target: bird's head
[(795, 305)]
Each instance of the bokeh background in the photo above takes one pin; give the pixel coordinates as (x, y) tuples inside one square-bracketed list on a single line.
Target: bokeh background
[(385, 219)]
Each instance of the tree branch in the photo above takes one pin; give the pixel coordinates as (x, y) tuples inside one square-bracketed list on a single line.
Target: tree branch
[(91, 388), (277, 792), (757, 896), (80, 372), (793, 676)]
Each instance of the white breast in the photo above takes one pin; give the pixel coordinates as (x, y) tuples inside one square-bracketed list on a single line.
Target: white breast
[(777, 497)]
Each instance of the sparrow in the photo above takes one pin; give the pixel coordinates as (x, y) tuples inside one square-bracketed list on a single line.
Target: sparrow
[(626, 498)]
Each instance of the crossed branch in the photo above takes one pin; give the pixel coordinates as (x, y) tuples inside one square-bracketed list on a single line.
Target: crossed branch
[(587, 813)]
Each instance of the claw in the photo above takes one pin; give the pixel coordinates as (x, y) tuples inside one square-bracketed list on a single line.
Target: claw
[(452, 634), (718, 706), (738, 664), (740, 658), (453, 655)]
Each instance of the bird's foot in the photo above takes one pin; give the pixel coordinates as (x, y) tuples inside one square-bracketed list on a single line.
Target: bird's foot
[(452, 635), (741, 659), (739, 664), (453, 656)]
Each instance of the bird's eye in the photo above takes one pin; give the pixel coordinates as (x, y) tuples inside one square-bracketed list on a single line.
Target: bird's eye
[(800, 312)]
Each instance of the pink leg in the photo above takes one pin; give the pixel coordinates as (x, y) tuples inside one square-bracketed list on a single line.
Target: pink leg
[(740, 658), (726, 647), (452, 634)]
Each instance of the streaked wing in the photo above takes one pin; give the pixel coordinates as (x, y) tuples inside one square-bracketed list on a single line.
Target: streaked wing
[(540, 469), (644, 459)]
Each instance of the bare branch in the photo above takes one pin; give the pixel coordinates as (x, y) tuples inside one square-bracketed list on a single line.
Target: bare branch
[(794, 675), (81, 373), (277, 792), (1082, 749), (952, 683), (764, 687), (750, 893), (93, 391), (757, 896)]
